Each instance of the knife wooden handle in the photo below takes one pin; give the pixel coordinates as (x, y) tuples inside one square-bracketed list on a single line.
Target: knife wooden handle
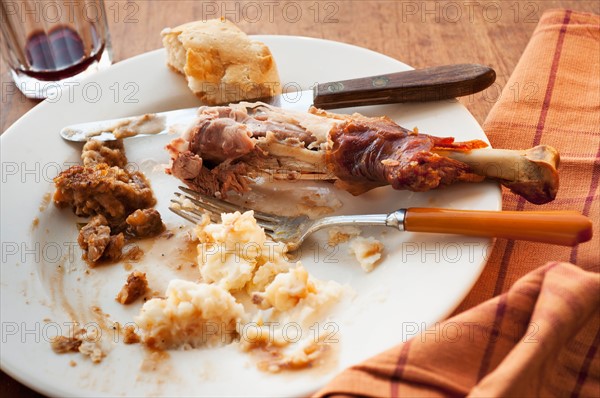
[(430, 84), (567, 228)]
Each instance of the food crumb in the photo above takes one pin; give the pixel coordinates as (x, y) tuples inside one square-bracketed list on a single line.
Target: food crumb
[(45, 201), (64, 344), (72, 363), (339, 235), (135, 287), (134, 254), (130, 336), (92, 350), (81, 341), (144, 223), (367, 251), (98, 311)]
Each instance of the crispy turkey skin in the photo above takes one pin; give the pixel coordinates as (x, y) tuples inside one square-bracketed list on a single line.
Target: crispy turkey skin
[(228, 147)]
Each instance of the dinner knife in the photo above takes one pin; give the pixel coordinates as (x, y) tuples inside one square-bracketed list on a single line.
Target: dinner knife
[(419, 85)]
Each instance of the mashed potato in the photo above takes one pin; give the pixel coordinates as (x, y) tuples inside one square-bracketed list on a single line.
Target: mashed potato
[(234, 253), (249, 294), (367, 251), (191, 315)]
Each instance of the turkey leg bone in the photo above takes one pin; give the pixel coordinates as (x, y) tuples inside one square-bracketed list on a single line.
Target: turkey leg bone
[(531, 173)]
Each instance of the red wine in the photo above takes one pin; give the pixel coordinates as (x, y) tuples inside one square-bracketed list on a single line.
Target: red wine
[(59, 54)]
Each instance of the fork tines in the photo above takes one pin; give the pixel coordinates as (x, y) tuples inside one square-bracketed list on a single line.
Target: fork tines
[(192, 205)]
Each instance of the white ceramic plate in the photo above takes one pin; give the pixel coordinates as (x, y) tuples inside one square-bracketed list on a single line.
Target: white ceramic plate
[(43, 281)]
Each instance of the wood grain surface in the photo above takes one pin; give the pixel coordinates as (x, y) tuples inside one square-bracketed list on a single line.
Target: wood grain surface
[(419, 33), (434, 83)]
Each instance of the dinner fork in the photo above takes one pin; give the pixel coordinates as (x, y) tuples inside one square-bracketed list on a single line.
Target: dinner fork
[(567, 228)]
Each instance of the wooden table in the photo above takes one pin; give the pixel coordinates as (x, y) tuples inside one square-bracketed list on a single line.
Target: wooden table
[(419, 33)]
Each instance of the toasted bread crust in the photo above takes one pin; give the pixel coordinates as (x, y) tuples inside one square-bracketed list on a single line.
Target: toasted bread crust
[(221, 63)]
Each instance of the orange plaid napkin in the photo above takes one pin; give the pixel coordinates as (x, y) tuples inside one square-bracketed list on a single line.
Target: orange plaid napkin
[(539, 335)]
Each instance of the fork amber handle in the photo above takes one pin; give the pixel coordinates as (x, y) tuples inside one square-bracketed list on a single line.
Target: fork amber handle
[(567, 228)]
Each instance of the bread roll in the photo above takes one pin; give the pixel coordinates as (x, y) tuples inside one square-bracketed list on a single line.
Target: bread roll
[(220, 62)]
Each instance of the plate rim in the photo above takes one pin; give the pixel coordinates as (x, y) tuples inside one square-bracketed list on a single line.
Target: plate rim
[(41, 384)]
